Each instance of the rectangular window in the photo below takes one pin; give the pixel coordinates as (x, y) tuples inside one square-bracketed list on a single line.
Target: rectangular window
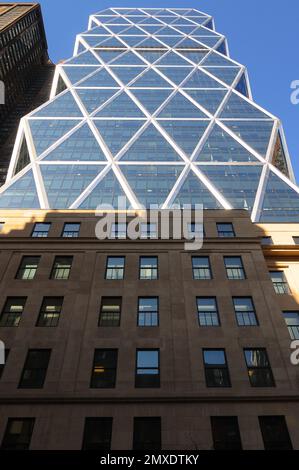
[(28, 267), (234, 267), (292, 322), (226, 433), (201, 268), (97, 434), (147, 368), (207, 311), (110, 311), (50, 311), (216, 369), (104, 368), (245, 311), (148, 311), (275, 433), (119, 230), (296, 240), (225, 230), (279, 282), (71, 230), (147, 434), (35, 368), (62, 267), (267, 241), (115, 267), (148, 267), (12, 311), (259, 369), (2, 366), (18, 434), (41, 230)]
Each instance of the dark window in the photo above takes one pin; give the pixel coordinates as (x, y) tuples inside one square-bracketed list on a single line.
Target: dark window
[(35, 368), (119, 230), (115, 267), (234, 267), (147, 368), (267, 241), (259, 369), (104, 368), (12, 311), (226, 433), (50, 311), (225, 230), (97, 434), (207, 311), (245, 311), (292, 322), (28, 267), (148, 230), (201, 267), (18, 434), (71, 230), (62, 267), (148, 311), (279, 282), (216, 369), (148, 268), (275, 433), (147, 434), (2, 366), (110, 311), (296, 240), (41, 230)]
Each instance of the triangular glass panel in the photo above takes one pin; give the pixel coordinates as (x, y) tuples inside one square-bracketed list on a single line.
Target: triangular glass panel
[(76, 74), (151, 56), (94, 41), (115, 20), (193, 192), (81, 48), (109, 55), (134, 31), (210, 42), (118, 29), (151, 99), (172, 59), (107, 191), (151, 183), (117, 133), (129, 58), (151, 42), (98, 30), (152, 11), (237, 183), (133, 40), (222, 48), (93, 98), (111, 42), (188, 44), (221, 147), (279, 158), (151, 29), (257, 134), (85, 58), (170, 40), (209, 99), (194, 13), (100, 79), (186, 134), (196, 57), (186, 29), (151, 146), (21, 194), (209, 24), (61, 85), (150, 21), (167, 31), (62, 106), (23, 158), (121, 106), (182, 22), (281, 202), (226, 74), (202, 31), (80, 146), (64, 183), (217, 59), (180, 107), (108, 11), (200, 79), (238, 108), (127, 74), (241, 87), (151, 79), (176, 74), (47, 131)]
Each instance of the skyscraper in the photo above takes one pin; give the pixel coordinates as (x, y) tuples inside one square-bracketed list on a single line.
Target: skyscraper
[(123, 343)]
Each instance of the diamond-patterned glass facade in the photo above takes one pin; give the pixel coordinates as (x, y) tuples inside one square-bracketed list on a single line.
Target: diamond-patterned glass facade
[(152, 108)]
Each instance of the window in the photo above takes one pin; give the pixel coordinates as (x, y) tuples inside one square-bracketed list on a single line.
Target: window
[(41, 230), (148, 230), (97, 434), (35, 368), (2, 366), (226, 433), (259, 369), (296, 240), (148, 268), (104, 368), (62, 267), (28, 267), (275, 433), (50, 311), (279, 282), (201, 267), (115, 267), (267, 241), (245, 311), (147, 434), (12, 311), (18, 434), (119, 230), (148, 311), (147, 368), (216, 369), (71, 230), (207, 311), (110, 311), (234, 267), (292, 322), (225, 230)]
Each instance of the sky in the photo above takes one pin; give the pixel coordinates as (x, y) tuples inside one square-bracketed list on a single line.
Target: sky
[(262, 34)]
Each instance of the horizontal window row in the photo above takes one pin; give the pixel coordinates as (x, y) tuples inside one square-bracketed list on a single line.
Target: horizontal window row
[(147, 368), (147, 433)]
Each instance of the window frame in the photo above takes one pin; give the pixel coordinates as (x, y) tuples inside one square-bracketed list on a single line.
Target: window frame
[(107, 268), (99, 422), (224, 233), (158, 368), (104, 299), (42, 379), (24, 268), (41, 231), (251, 369), (18, 316), (157, 311), (156, 268), (70, 231), (248, 312), (54, 269), (43, 311), (216, 366), (193, 257), (92, 378), (217, 311), (242, 269)]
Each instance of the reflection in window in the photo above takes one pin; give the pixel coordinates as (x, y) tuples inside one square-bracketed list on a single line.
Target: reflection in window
[(50, 312), (148, 311), (147, 368), (148, 268), (12, 311), (18, 434), (201, 267), (234, 267), (225, 230), (279, 282), (259, 369), (104, 368), (245, 311), (110, 311), (28, 267), (115, 267), (292, 322), (62, 267), (207, 311), (216, 369), (41, 230), (71, 230)]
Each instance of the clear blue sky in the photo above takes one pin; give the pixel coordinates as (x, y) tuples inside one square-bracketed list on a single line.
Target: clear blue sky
[(262, 34)]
